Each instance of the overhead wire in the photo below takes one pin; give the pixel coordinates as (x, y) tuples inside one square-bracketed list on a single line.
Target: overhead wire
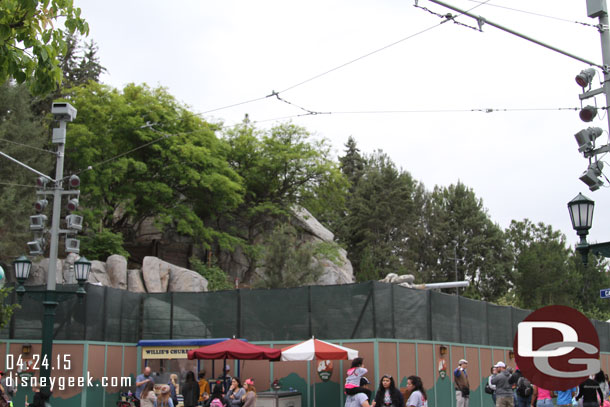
[(375, 51), (535, 14), (275, 94), (28, 146), (415, 111)]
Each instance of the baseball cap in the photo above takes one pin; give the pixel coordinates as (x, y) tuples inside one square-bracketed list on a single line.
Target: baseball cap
[(462, 361), (500, 364)]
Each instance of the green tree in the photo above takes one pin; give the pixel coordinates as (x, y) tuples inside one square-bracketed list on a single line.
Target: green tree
[(383, 214), (24, 137), (286, 262), (352, 163), (547, 272), (460, 231), (143, 155), (32, 42), (280, 168)]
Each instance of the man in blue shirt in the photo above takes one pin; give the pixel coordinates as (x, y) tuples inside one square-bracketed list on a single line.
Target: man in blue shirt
[(141, 381), (564, 398)]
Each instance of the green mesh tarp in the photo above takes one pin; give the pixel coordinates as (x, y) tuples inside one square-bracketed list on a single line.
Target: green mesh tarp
[(473, 321), (351, 311), (445, 317), (411, 314)]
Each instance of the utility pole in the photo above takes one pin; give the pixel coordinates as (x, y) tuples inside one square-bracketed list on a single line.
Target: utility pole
[(598, 8)]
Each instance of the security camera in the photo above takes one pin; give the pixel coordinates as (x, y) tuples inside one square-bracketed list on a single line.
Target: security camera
[(63, 111)]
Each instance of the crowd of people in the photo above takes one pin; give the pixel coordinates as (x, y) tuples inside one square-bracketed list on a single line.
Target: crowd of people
[(226, 391), (388, 395), (509, 388)]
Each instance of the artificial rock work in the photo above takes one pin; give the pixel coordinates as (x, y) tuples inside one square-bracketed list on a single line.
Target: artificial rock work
[(156, 275)]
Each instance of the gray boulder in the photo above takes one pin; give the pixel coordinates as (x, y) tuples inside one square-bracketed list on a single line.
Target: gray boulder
[(306, 221), (156, 274), (116, 267), (336, 272), (134, 282), (98, 275), (181, 279)]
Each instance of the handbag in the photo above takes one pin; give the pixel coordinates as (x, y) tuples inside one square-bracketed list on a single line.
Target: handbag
[(488, 389)]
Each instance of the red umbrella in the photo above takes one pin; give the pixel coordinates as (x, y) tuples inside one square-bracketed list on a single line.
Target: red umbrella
[(234, 349)]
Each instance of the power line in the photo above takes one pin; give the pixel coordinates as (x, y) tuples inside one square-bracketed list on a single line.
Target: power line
[(17, 185), (375, 51), (416, 111), (274, 93), (28, 146), (536, 14)]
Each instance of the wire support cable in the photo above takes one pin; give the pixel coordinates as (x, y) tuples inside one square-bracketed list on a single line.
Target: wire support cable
[(28, 146)]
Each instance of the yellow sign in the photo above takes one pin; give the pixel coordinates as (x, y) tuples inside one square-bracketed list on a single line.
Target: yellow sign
[(166, 352)]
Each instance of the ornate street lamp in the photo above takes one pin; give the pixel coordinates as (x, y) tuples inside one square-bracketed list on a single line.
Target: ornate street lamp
[(22, 266), (82, 267), (581, 215)]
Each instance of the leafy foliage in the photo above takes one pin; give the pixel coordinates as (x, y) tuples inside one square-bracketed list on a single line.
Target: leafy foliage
[(381, 220), (460, 231), (31, 46), (217, 278), (178, 175), (287, 264), (6, 310), (101, 245), (279, 168)]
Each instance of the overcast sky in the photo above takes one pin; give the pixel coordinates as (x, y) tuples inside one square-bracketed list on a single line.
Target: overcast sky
[(523, 163)]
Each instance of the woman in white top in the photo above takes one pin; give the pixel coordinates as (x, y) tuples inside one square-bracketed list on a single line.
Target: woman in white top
[(415, 394)]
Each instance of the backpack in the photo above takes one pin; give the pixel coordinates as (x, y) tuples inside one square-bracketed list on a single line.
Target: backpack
[(524, 387), (216, 403), (488, 389)]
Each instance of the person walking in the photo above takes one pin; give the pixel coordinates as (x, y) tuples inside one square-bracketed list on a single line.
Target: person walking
[(190, 390), (504, 389), (523, 388), (387, 393), (542, 397), (564, 397), (416, 394), (462, 387), (590, 392)]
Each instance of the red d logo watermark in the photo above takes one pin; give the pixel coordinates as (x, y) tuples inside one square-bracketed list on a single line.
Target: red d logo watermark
[(556, 348)]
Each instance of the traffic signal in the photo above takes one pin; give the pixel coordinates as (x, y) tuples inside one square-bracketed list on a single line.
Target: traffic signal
[(40, 205), (72, 204)]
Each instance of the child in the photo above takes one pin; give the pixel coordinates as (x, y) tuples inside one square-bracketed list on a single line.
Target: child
[(352, 381)]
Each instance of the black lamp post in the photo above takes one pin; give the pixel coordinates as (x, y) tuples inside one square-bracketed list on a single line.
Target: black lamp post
[(581, 215), (50, 299)]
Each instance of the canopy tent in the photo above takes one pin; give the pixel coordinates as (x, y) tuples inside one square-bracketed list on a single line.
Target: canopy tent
[(317, 349), (234, 349)]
